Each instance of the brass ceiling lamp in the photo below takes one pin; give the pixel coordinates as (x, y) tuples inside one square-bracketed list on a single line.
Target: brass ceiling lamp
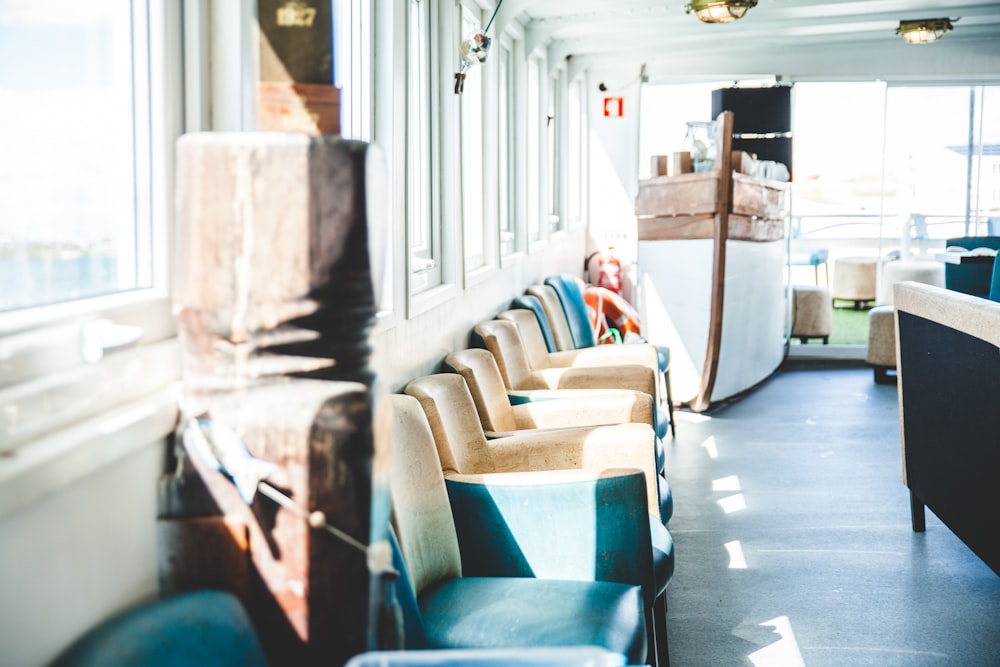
[(719, 11), (924, 31)]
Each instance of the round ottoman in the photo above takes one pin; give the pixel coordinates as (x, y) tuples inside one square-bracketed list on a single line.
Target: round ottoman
[(927, 271), (812, 313), (881, 354), (854, 279)]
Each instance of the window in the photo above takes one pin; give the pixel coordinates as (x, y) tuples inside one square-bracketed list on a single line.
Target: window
[(554, 125), (352, 41), (505, 151), (472, 151), (576, 137), (533, 154), (75, 217), (940, 145), (424, 242), (88, 120)]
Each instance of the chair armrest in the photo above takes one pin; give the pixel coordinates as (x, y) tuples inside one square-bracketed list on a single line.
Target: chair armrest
[(636, 378), (590, 410), (521, 396), (561, 524), (641, 354), (587, 448)]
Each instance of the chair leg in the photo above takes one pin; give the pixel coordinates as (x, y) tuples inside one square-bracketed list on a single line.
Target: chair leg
[(651, 637), (670, 404), (660, 624)]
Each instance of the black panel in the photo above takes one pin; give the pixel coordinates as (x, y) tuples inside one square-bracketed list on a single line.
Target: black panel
[(776, 150), (755, 110), (952, 429)]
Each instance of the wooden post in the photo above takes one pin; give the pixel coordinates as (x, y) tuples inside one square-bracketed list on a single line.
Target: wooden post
[(274, 300), (724, 206)]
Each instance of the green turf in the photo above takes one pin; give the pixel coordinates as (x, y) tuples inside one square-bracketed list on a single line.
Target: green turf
[(849, 327)]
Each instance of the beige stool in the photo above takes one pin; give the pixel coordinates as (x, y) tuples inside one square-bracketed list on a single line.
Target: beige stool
[(812, 313), (882, 342), (927, 271), (854, 279)]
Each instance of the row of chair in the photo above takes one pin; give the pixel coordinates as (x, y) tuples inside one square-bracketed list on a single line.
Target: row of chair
[(530, 511), (529, 474)]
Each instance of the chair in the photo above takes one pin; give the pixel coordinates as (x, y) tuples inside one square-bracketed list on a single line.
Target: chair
[(531, 303), (463, 449), (505, 342), (972, 279), (571, 302), (499, 418), (995, 282), (453, 595), (206, 628), (546, 656), (552, 409), (502, 339)]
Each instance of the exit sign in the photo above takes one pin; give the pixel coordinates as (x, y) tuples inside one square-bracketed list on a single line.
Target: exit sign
[(613, 107)]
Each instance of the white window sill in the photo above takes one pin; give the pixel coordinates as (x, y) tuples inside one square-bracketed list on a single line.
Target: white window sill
[(57, 460)]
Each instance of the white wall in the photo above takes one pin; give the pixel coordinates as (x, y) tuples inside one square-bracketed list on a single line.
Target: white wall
[(77, 556)]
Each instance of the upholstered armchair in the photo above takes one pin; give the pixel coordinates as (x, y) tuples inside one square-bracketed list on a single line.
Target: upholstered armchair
[(562, 409), (199, 628), (464, 450), (562, 302), (971, 278), (504, 341), (495, 566), (544, 656), (551, 409)]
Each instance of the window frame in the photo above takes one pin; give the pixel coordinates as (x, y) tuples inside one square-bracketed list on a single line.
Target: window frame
[(576, 152), (533, 153), (423, 235), (68, 364), (473, 152)]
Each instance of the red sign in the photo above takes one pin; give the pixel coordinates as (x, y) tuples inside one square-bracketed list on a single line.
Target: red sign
[(613, 107)]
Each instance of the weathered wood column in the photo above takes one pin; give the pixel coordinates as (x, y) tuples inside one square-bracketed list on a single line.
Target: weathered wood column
[(274, 299)]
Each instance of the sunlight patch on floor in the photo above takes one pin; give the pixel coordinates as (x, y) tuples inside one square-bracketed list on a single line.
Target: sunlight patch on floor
[(737, 561), (709, 445), (731, 483), (735, 503), (782, 653)]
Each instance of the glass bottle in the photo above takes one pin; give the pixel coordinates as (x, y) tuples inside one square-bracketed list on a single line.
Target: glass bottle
[(700, 142)]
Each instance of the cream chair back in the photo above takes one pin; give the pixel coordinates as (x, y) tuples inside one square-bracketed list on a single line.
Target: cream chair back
[(557, 316), (425, 526), (531, 336), (504, 343), (485, 383), (454, 422)]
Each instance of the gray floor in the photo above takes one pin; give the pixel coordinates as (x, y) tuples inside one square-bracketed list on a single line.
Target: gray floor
[(802, 478)]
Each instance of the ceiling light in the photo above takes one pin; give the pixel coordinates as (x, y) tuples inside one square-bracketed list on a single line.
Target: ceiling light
[(924, 31), (719, 11)]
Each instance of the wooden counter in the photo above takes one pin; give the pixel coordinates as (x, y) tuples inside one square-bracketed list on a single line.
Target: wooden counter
[(711, 285)]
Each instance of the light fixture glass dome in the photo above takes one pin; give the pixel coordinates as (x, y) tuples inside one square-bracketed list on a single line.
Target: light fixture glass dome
[(719, 11), (924, 31)]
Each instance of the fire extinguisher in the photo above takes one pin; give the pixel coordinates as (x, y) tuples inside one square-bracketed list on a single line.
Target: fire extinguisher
[(609, 275)]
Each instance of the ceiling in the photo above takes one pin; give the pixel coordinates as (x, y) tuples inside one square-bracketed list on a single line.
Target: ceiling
[(791, 39)]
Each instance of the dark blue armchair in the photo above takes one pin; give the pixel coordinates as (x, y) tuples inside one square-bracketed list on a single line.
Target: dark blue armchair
[(972, 279)]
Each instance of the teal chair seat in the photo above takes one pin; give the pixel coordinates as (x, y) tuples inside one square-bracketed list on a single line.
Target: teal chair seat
[(492, 612), (205, 628)]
